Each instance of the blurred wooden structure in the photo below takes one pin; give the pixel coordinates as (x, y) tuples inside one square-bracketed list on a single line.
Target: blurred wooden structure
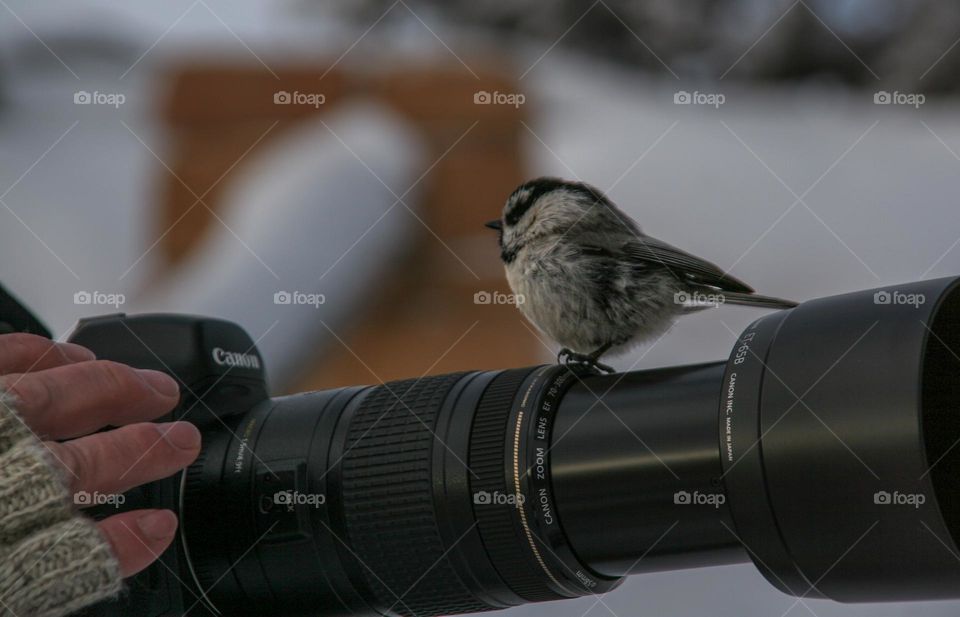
[(215, 113)]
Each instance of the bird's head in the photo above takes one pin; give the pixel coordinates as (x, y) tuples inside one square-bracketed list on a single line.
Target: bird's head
[(544, 207)]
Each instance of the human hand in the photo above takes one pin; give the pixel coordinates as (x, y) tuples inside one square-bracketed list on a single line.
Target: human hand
[(61, 392)]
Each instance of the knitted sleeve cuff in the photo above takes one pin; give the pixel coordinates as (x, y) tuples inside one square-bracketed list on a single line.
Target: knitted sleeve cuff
[(53, 561)]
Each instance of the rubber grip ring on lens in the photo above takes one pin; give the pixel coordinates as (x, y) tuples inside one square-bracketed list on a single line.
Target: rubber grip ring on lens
[(388, 500)]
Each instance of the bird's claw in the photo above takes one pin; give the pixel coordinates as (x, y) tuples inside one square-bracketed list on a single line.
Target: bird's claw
[(573, 359)]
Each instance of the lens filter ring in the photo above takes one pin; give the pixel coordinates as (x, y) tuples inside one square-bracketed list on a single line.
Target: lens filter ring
[(532, 438), (513, 498)]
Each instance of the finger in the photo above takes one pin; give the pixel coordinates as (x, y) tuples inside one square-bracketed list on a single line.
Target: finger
[(21, 353), (138, 537), (115, 461), (78, 399)]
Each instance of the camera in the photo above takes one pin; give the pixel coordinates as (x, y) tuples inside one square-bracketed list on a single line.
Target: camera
[(822, 450)]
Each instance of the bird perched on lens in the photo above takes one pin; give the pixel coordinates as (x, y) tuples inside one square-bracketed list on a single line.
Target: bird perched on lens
[(593, 281)]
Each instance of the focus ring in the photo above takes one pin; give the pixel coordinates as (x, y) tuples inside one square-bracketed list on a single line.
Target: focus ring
[(192, 495), (388, 502), (501, 533)]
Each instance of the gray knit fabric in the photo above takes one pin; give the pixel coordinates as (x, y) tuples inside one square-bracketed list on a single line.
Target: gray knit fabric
[(53, 561)]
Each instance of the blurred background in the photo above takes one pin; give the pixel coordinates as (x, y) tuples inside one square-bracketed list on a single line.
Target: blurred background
[(319, 172)]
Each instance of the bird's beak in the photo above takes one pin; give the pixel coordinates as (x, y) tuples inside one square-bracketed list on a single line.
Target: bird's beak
[(494, 224)]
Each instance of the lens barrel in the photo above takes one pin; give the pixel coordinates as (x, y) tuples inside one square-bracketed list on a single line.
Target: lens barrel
[(425, 497), (822, 450), (636, 465)]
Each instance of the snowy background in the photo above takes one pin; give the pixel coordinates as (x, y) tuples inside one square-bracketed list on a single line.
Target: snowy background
[(803, 186)]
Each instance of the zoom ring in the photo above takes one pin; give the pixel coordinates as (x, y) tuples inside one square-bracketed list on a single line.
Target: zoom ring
[(388, 500), (500, 529)]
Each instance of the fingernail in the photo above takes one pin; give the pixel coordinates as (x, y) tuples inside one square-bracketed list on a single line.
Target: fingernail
[(76, 353), (158, 524), (161, 382), (181, 435)]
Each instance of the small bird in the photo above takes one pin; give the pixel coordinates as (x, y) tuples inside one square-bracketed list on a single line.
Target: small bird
[(592, 281)]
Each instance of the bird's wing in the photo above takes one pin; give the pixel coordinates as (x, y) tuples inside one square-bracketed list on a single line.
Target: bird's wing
[(649, 250)]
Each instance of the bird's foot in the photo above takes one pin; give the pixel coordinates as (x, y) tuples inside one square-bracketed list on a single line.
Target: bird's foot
[(573, 359)]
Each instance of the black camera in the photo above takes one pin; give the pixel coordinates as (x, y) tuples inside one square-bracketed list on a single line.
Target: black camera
[(824, 450)]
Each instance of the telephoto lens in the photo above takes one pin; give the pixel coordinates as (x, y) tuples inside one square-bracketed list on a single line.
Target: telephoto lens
[(822, 449)]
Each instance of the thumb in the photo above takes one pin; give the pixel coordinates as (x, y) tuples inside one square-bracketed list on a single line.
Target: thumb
[(138, 538)]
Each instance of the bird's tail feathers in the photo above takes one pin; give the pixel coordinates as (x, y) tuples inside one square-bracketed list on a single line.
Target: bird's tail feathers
[(745, 299), (715, 297)]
